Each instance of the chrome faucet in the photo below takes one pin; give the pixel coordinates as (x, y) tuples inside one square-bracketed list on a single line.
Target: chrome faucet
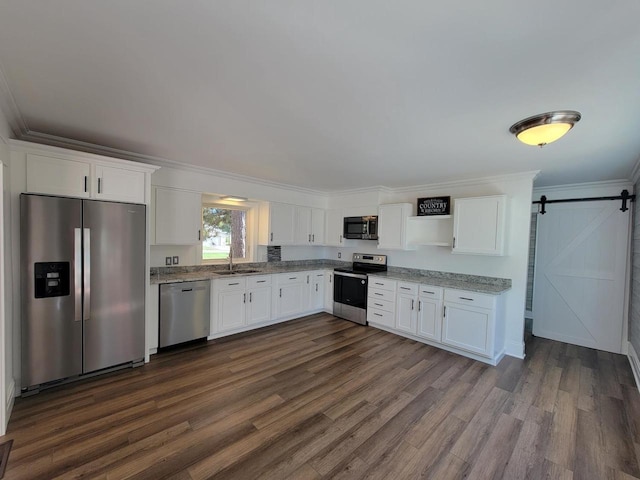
[(230, 258)]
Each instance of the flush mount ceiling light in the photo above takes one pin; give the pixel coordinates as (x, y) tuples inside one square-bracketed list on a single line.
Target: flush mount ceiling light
[(234, 198), (546, 127)]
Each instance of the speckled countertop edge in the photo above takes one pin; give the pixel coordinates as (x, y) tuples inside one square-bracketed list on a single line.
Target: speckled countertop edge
[(472, 283), (457, 281)]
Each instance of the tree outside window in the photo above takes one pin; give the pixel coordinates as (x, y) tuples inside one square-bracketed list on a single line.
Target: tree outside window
[(224, 228)]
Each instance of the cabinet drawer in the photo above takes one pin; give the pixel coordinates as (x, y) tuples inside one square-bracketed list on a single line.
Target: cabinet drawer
[(377, 304), (377, 294), (408, 288), (291, 278), (258, 281), (225, 284), (381, 317), (479, 300), (430, 292), (382, 283)]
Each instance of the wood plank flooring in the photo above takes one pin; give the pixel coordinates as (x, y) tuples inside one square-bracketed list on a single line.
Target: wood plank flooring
[(320, 397)]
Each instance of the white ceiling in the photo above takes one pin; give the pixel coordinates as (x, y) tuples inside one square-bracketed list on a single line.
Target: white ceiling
[(333, 94)]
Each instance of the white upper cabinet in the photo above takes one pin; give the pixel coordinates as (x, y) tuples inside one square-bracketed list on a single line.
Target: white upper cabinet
[(119, 184), (178, 216), (86, 178), (334, 228), (276, 224), (392, 225), (58, 176), (479, 225), (302, 226), (317, 226)]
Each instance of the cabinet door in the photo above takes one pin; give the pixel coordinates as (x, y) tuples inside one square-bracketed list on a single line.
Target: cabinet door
[(259, 305), (57, 176), (478, 225), (328, 291), (406, 314), (334, 228), (289, 299), (316, 296), (178, 217), (281, 221), (467, 328), (392, 225), (429, 318), (119, 184), (231, 310), (317, 226), (302, 226)]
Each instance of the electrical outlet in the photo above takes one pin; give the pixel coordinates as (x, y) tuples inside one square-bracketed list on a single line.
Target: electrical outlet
[(167, 261), (176, 260), (339, 255)]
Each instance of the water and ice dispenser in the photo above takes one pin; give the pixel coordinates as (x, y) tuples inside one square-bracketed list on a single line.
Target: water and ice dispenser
[(51, 279)]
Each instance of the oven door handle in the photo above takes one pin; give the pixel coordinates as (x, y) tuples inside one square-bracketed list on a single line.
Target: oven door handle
[(352, 275)]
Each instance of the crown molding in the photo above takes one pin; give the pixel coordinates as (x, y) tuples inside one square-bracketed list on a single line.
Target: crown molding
[(77, 145), (530, 175), (9, 107), (579, 186)]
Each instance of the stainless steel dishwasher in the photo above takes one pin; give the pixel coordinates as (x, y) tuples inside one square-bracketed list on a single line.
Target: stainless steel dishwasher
[(184, 312)]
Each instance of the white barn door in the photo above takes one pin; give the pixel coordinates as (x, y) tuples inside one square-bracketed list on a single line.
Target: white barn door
[(579, 286)]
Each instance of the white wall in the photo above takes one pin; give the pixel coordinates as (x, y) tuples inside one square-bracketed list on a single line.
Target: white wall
[(513, 265), (7, 383)]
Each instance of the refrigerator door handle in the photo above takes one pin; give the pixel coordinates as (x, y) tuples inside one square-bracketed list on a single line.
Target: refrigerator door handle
[(87, 274), (77, 273)]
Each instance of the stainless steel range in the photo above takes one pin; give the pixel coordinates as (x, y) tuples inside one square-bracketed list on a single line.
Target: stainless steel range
[(350, 286)]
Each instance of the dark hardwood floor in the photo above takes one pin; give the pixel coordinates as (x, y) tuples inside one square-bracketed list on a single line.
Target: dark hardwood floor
[(321, 397)]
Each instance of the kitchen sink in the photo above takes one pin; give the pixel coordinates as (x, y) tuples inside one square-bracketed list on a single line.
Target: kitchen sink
[(236, 272)]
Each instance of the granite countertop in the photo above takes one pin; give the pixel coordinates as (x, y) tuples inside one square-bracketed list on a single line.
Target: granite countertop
[(470, 283), (192, 274)]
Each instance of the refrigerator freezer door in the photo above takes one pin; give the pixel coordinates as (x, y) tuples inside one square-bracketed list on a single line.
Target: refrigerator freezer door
[(50, 244), (115, 267)]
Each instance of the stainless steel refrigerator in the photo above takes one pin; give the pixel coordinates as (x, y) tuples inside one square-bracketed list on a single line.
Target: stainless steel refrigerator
[(83, 284)]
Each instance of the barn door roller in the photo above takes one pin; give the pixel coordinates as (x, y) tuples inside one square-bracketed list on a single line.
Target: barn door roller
[(624, 196)]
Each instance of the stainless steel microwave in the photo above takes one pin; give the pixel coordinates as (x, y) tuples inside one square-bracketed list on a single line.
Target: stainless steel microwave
[(361, 228)]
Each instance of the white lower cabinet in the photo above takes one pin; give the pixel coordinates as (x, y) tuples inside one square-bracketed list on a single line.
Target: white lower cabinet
[(290, 294), (240, 301), (469, 321), (407, 307), (328, 291), (464, 322), (316, 290), (259, 299), (430, 312), (230, 307), (381, 302)]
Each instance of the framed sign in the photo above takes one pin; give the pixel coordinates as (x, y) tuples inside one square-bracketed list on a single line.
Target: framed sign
[(434, 206)]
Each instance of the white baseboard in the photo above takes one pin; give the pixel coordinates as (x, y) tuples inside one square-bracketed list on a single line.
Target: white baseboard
[(635, 364), (515, 349)]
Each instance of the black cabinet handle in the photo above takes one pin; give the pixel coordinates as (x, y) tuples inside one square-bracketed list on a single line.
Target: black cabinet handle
[(280, 293), (85, 182), (250, 296), (244, 298), (234, 284), (99, 181), (377, 314), (198, 235), (427, 291), (261, 281), (379, 294), (465, 298), (272, 236), (405, 288), (187, 289)]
